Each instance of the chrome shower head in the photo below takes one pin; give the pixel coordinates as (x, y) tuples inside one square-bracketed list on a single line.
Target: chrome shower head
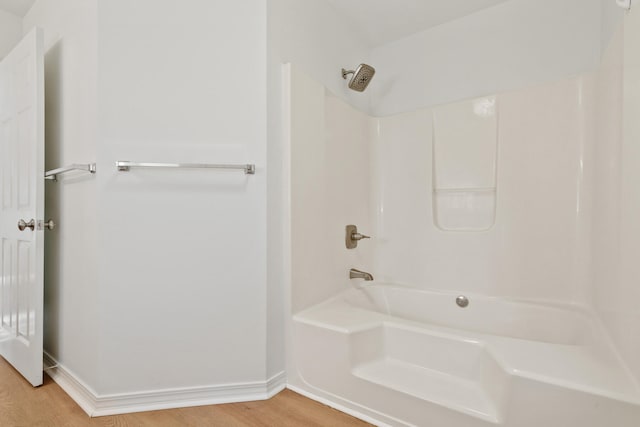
[(361, 77)]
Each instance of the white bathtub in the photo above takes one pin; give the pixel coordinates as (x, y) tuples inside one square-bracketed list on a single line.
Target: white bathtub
[(493, 316), (400, 356)]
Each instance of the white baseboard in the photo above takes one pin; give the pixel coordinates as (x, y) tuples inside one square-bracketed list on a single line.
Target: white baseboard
[(99, 405), (71, 384)]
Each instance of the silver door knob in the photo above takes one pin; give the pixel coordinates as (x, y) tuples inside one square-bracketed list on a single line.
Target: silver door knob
[(22, 225), (49, 225)]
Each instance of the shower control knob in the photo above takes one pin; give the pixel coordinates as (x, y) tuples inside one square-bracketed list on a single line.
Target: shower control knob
[(352, 237), (358, 236)]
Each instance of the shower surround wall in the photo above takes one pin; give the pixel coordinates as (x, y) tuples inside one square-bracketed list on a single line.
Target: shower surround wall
[(321, 41), (330, 182), (538, 252), (616, 233), (539, 246)]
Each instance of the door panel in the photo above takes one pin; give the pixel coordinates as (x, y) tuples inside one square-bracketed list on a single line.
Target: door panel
[(22, 197)]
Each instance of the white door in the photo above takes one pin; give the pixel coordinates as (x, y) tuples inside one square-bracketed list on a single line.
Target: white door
[(22, 198)]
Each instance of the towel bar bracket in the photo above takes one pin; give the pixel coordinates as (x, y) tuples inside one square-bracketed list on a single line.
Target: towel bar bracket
[(53, 174)]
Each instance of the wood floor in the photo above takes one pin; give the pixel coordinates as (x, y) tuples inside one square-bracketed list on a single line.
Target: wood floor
[(49, 406)]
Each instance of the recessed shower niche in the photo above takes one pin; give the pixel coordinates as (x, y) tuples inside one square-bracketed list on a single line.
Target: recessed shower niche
[(465, 140)]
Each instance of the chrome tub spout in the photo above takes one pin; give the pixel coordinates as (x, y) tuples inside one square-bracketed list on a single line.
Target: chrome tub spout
[(357, 274)]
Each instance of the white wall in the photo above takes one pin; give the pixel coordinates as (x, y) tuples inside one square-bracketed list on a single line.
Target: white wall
[(10, 32), (514, 44), (183, 253), (156, 279), (71, 277)]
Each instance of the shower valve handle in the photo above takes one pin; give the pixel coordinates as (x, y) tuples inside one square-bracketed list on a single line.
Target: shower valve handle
[(352, 237), (358, 236)]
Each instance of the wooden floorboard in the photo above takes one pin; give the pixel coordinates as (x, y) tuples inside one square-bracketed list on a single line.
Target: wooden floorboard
[(49, 406)]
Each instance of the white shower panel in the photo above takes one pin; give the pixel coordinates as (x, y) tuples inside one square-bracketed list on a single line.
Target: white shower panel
[(534, 248), (465, 136), (616, 231), (465, 144), (330, 170)]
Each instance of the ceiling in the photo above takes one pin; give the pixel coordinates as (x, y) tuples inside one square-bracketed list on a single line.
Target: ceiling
[(16, 7), (383, 21), (379, 21)]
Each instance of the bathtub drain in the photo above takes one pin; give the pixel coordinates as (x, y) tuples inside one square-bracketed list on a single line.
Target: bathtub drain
[(462, 301)]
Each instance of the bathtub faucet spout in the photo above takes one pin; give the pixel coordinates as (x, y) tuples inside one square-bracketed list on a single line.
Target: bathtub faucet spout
[(357, 274)]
